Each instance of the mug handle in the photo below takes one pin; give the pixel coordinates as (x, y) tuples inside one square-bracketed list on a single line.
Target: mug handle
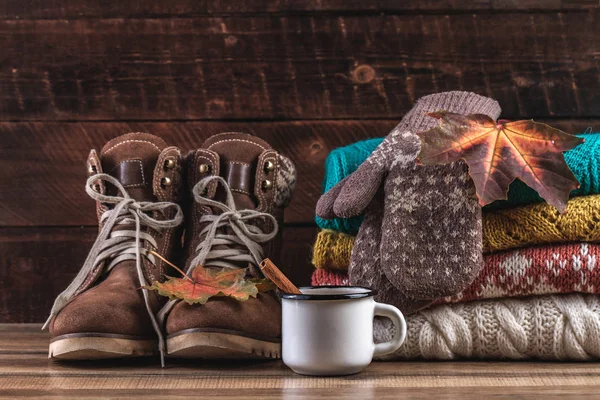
[(391, 312)]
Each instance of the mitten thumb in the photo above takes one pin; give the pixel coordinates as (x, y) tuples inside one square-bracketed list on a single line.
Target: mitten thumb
[(359, 189), (325, 203)]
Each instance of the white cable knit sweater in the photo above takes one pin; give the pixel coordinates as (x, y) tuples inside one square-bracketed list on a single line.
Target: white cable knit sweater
[(562, 327)]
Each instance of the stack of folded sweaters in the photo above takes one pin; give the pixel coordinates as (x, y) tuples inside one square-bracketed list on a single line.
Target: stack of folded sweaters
[(536, 295)]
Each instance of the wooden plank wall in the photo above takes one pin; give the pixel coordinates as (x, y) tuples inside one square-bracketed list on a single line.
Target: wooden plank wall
[(308, 76)]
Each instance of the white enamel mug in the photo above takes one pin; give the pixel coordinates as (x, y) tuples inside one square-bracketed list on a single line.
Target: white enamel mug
[(328, 330)]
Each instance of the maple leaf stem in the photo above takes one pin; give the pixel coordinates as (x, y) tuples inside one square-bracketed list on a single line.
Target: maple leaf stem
[(172, 265)]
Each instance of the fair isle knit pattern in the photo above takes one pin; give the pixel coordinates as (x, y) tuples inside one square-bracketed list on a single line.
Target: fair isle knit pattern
[(555, 269), (422, 206), (285, 181), (566, 268), (565, 327), (370, 273), (432, 232)]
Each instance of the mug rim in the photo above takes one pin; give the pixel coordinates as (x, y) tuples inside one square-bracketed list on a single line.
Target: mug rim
[(340, 296)]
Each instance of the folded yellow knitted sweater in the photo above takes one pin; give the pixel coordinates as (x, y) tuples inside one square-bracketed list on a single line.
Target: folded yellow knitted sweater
[(502, 230), (542, 223), (332, 250)]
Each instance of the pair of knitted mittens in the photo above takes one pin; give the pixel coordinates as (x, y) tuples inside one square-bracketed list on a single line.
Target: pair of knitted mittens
[(421, 235)]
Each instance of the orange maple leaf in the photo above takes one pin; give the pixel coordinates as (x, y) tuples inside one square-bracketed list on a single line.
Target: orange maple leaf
[(205, 283), (499, 152)]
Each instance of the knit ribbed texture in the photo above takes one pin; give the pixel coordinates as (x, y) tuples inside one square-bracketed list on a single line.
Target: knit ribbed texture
[(563, 327), (327, 277), (552, 269), (332, 250), (454, 101), (542, 223), (584, 161), (340, 163)]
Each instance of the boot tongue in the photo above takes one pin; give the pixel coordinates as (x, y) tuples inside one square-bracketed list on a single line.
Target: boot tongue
[(131, 159), (238, 155)]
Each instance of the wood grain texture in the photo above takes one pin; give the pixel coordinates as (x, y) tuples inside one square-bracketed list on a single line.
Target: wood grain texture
[(352, 392), (26, 372), (43, 164), (300, 67), (39, 9), (48, 161), (36, 264)]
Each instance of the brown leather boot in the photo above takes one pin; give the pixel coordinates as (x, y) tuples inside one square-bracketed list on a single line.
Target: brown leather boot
[(239, 187), (104, 313)]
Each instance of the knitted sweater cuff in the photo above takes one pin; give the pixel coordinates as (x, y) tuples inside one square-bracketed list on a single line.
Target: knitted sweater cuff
[(457, 102)]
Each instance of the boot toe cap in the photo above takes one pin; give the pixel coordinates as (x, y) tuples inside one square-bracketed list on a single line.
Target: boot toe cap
[(92, 312), (260, 316)]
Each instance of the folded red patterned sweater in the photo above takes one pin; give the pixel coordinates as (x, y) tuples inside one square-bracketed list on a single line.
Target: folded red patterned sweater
[(552, 269)]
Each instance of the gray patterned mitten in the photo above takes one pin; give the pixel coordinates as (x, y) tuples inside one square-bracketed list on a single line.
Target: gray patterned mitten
[(366, 267), (431, 226)]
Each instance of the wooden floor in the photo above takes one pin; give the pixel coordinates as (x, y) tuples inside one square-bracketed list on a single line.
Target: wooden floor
[(26, 372)]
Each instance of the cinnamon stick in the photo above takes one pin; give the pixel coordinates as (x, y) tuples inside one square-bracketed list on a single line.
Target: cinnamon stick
[(277, 277)]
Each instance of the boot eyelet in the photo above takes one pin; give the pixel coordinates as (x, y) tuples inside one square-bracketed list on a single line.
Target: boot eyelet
[(169, 163), (166, 182), (204, 168), (91, 170), (269, 166), (266, 185)]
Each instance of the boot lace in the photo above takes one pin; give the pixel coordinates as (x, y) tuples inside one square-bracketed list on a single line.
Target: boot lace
[(112, 247), (244, 233)]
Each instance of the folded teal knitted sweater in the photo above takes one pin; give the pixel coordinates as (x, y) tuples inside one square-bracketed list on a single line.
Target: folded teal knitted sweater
[(584, 161), (340, 163)]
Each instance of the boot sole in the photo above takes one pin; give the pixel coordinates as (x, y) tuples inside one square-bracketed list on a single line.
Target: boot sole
[(98, 346), (221, 345)]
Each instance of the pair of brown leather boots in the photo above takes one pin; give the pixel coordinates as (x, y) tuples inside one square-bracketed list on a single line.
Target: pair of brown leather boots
[(228, 196)]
